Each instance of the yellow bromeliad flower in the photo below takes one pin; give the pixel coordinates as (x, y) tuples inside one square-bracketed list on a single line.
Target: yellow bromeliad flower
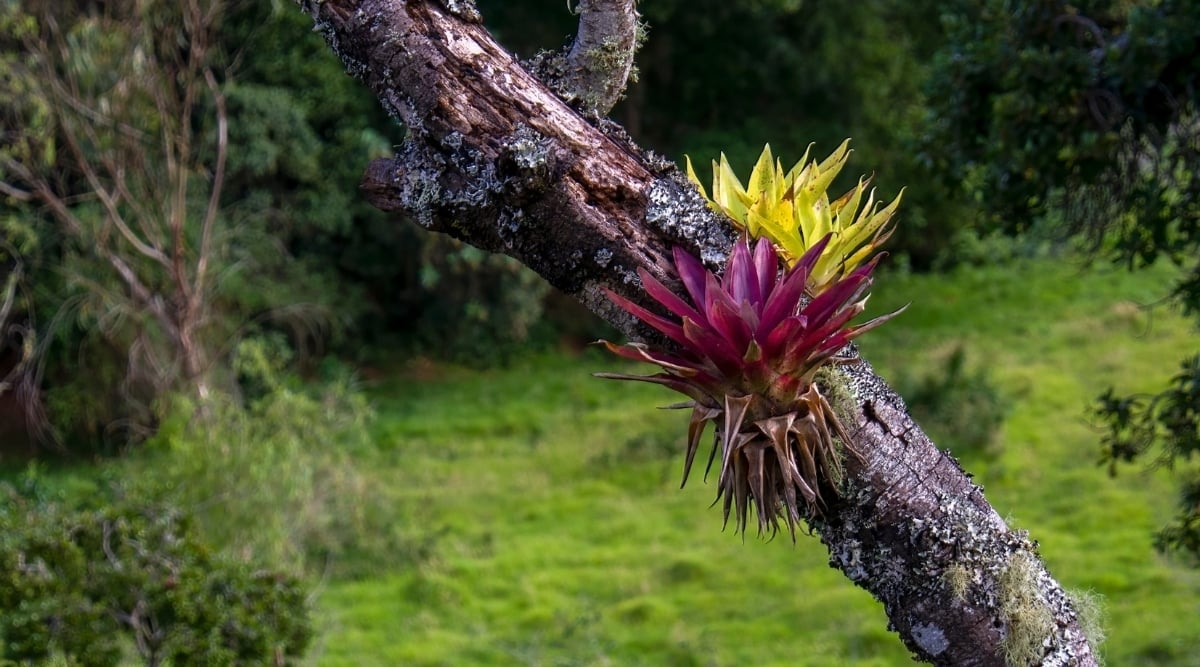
[(793, 210)]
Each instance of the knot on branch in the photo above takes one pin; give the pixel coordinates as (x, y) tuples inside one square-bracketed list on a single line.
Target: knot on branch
[(528, 164), (432, 184)]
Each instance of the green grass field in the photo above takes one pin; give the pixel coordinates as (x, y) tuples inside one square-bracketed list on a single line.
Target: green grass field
[(542, 522), (533, 515)]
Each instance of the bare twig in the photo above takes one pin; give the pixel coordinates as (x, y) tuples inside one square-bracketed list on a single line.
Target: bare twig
[(9, 190), (8, 292), (218, 180)]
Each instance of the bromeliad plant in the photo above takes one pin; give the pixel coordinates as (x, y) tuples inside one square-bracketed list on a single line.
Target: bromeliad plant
[(749, 347), (793, 210)]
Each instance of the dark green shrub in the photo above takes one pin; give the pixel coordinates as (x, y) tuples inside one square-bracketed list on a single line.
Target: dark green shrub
[(1182, 535), (960, 408), (98, 585), (1164, 430)]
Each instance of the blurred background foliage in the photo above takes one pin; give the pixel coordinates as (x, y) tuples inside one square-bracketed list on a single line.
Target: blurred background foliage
[(1018, 129), (1008, 125)]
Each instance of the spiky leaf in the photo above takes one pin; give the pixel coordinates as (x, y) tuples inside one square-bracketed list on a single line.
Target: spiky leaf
[(793, 209), (747, 347)]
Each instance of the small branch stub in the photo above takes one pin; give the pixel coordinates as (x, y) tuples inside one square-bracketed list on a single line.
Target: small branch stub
[(591, 74)]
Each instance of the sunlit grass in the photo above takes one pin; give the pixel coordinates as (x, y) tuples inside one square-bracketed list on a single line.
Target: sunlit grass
[(547, 526)]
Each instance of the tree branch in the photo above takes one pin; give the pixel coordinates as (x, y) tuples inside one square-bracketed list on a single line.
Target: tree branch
[(9, 190), (592, 74), (218, 181), (8, 289), (496, 159), (59, 209)]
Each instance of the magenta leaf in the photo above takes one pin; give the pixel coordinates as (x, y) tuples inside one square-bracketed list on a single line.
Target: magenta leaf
[(666, 297), (741, 280), (667, 327), (693, 274), (766, 266)]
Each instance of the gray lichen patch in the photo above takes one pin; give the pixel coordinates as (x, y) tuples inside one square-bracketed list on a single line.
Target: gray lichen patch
[(969, 539), (527, 148), (453, 140), (676, 210), (603, 256), (550, 67), (527, 162), (930, 638), (440, 184), (418, 187), (463, 9), (868, 387)]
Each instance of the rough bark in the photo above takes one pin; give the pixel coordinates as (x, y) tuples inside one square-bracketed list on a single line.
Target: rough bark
[(496, 159)]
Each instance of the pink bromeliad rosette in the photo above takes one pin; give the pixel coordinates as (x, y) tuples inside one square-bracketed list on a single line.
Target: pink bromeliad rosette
[(747, 348)]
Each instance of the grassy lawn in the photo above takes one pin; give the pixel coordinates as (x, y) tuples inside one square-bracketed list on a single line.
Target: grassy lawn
[(542, 522)]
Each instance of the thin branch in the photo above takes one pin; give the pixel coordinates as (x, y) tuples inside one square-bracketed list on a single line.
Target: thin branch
[(71, 99), (146, 221), (43, 193), (110, 203), (61, 212), (601, 58), (214, 199), (16, 193), (171, 161)]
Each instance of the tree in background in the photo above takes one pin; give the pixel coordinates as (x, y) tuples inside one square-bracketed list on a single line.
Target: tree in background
[(1085, 116), (157, 293), (133, 264), (117, 142), (155, 210)]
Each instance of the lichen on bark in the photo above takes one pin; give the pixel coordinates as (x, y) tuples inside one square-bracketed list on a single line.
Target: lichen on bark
[(677, 210), (464, 9)]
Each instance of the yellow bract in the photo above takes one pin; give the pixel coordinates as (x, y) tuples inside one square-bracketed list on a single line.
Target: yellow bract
[(793, 210)]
